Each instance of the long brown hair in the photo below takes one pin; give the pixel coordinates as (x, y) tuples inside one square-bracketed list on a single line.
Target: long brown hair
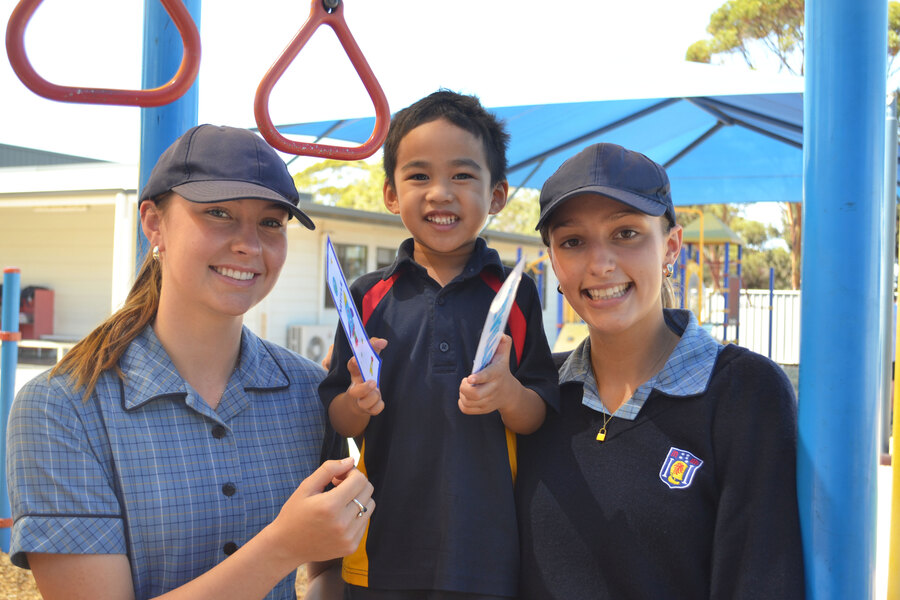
[(102, 348)]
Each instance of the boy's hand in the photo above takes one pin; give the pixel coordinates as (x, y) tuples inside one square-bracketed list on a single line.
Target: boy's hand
[(367, 397), (493, 387)]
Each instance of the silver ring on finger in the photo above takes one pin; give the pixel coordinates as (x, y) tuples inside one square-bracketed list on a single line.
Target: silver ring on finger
[(362, 508)]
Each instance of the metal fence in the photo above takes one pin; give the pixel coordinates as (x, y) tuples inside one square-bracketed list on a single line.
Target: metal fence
[(767, 325)]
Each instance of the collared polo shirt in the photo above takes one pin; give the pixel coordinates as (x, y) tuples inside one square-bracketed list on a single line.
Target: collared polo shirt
[(686, 372), (144, 467), (443, 480)]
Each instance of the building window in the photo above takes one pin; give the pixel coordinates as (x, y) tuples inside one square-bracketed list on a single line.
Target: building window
[(384, 257), (353, 260)]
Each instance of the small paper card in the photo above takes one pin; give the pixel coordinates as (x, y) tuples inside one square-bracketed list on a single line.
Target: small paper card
[(368, 360), (497, 316)]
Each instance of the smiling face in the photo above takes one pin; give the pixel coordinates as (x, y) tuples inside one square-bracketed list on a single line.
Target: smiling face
[(609, 260), (218, 259), (443, 190)]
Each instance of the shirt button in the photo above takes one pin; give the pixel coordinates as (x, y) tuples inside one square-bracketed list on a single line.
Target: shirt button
[(444, 346), (229, 548), (218, 432), (228, 489)]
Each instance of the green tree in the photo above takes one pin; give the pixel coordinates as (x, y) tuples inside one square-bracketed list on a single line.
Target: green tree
[(520, 213), (738, 26), (355, 184), (760, 251), (773, 28)]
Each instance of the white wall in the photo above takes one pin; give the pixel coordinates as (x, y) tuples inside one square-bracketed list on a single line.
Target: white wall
[(69, 250)]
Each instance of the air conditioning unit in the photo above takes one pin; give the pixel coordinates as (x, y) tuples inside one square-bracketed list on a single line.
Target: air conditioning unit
[(311, 341)]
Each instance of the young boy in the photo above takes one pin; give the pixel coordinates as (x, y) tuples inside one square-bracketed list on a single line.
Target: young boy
[(438, 442)]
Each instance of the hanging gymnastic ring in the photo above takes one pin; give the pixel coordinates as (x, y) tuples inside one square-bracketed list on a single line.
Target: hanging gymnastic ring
[(321, 14), (166, 93)]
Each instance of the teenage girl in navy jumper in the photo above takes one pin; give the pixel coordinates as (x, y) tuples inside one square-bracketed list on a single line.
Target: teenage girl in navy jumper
[(669, 471)]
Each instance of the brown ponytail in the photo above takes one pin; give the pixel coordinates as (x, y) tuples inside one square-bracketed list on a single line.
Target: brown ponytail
[(102, 348)]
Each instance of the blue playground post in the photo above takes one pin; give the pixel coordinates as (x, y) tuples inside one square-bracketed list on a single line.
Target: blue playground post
[(771, 305), (9, 355), (541, 268), (160, 126), (737, 317), (840, 354), (725, 314)]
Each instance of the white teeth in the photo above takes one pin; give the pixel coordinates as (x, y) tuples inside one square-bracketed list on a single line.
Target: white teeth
[(441, 220), (239, 275), (608, 293)]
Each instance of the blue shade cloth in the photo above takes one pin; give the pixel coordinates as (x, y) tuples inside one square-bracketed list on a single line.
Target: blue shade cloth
[(729, 148), (145, 467), (686, 372)]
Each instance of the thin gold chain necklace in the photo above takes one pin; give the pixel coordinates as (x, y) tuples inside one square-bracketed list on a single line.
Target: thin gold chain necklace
[(601, 435)]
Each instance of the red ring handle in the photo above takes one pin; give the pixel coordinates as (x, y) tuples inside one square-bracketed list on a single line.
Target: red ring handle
[(10, 336), (168, 92), (318, 16)]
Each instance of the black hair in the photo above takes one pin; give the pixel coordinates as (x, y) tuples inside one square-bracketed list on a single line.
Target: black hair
[(466, 112)]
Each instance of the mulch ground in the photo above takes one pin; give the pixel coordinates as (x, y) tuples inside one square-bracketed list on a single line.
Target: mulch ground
[(18, 584)]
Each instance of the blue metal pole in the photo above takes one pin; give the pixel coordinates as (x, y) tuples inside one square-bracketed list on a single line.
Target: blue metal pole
[(9, 355), (771, 305), (540, 277), (160, 126), (889, 220), (737, 317), (725, 296), (840, 354)]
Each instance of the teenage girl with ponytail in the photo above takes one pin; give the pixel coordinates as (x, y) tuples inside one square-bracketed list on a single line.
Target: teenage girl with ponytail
[(173, 452)]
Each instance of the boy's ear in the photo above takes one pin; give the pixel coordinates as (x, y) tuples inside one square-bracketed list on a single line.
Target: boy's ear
[(498, 197), (390, 198)]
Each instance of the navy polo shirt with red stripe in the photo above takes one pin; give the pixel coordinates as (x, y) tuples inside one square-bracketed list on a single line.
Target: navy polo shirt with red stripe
[(445, 516)]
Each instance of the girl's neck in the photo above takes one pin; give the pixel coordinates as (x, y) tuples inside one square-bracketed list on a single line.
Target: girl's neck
[(622, 362), (203, 348)]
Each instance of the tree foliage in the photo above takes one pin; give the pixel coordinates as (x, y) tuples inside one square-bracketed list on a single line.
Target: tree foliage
[(356, 184), (776, 25), (761, 250)]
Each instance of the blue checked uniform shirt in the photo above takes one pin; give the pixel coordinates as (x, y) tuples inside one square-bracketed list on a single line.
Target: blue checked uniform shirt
[(686, 373), (146, 468)]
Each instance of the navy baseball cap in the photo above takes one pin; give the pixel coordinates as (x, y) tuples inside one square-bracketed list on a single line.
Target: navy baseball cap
[(209, 163), (612, 171)]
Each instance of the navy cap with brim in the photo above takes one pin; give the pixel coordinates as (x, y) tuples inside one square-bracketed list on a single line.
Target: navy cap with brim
[(210, 163), (208, 192), (614, 172), (650, 207)]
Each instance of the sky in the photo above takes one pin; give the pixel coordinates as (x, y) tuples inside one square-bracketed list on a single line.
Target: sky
[(507, 52)]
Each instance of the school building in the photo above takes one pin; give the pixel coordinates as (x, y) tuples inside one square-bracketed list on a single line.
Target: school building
[(70, 225)]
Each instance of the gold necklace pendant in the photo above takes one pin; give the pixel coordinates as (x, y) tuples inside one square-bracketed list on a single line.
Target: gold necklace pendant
[(601, 435)]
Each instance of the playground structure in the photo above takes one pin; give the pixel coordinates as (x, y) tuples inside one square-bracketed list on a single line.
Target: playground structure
[(837, 512)]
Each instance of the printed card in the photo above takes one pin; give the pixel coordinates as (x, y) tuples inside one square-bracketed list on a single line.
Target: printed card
[(368, 360), (498, 314)]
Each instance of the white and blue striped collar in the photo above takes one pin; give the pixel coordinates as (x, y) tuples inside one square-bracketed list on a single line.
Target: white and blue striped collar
[(686, 373)]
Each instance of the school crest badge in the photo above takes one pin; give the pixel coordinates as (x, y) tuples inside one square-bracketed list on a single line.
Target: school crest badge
[(679, 468)]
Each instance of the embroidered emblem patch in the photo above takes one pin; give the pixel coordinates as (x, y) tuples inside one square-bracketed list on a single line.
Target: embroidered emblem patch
[(679, 468)]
